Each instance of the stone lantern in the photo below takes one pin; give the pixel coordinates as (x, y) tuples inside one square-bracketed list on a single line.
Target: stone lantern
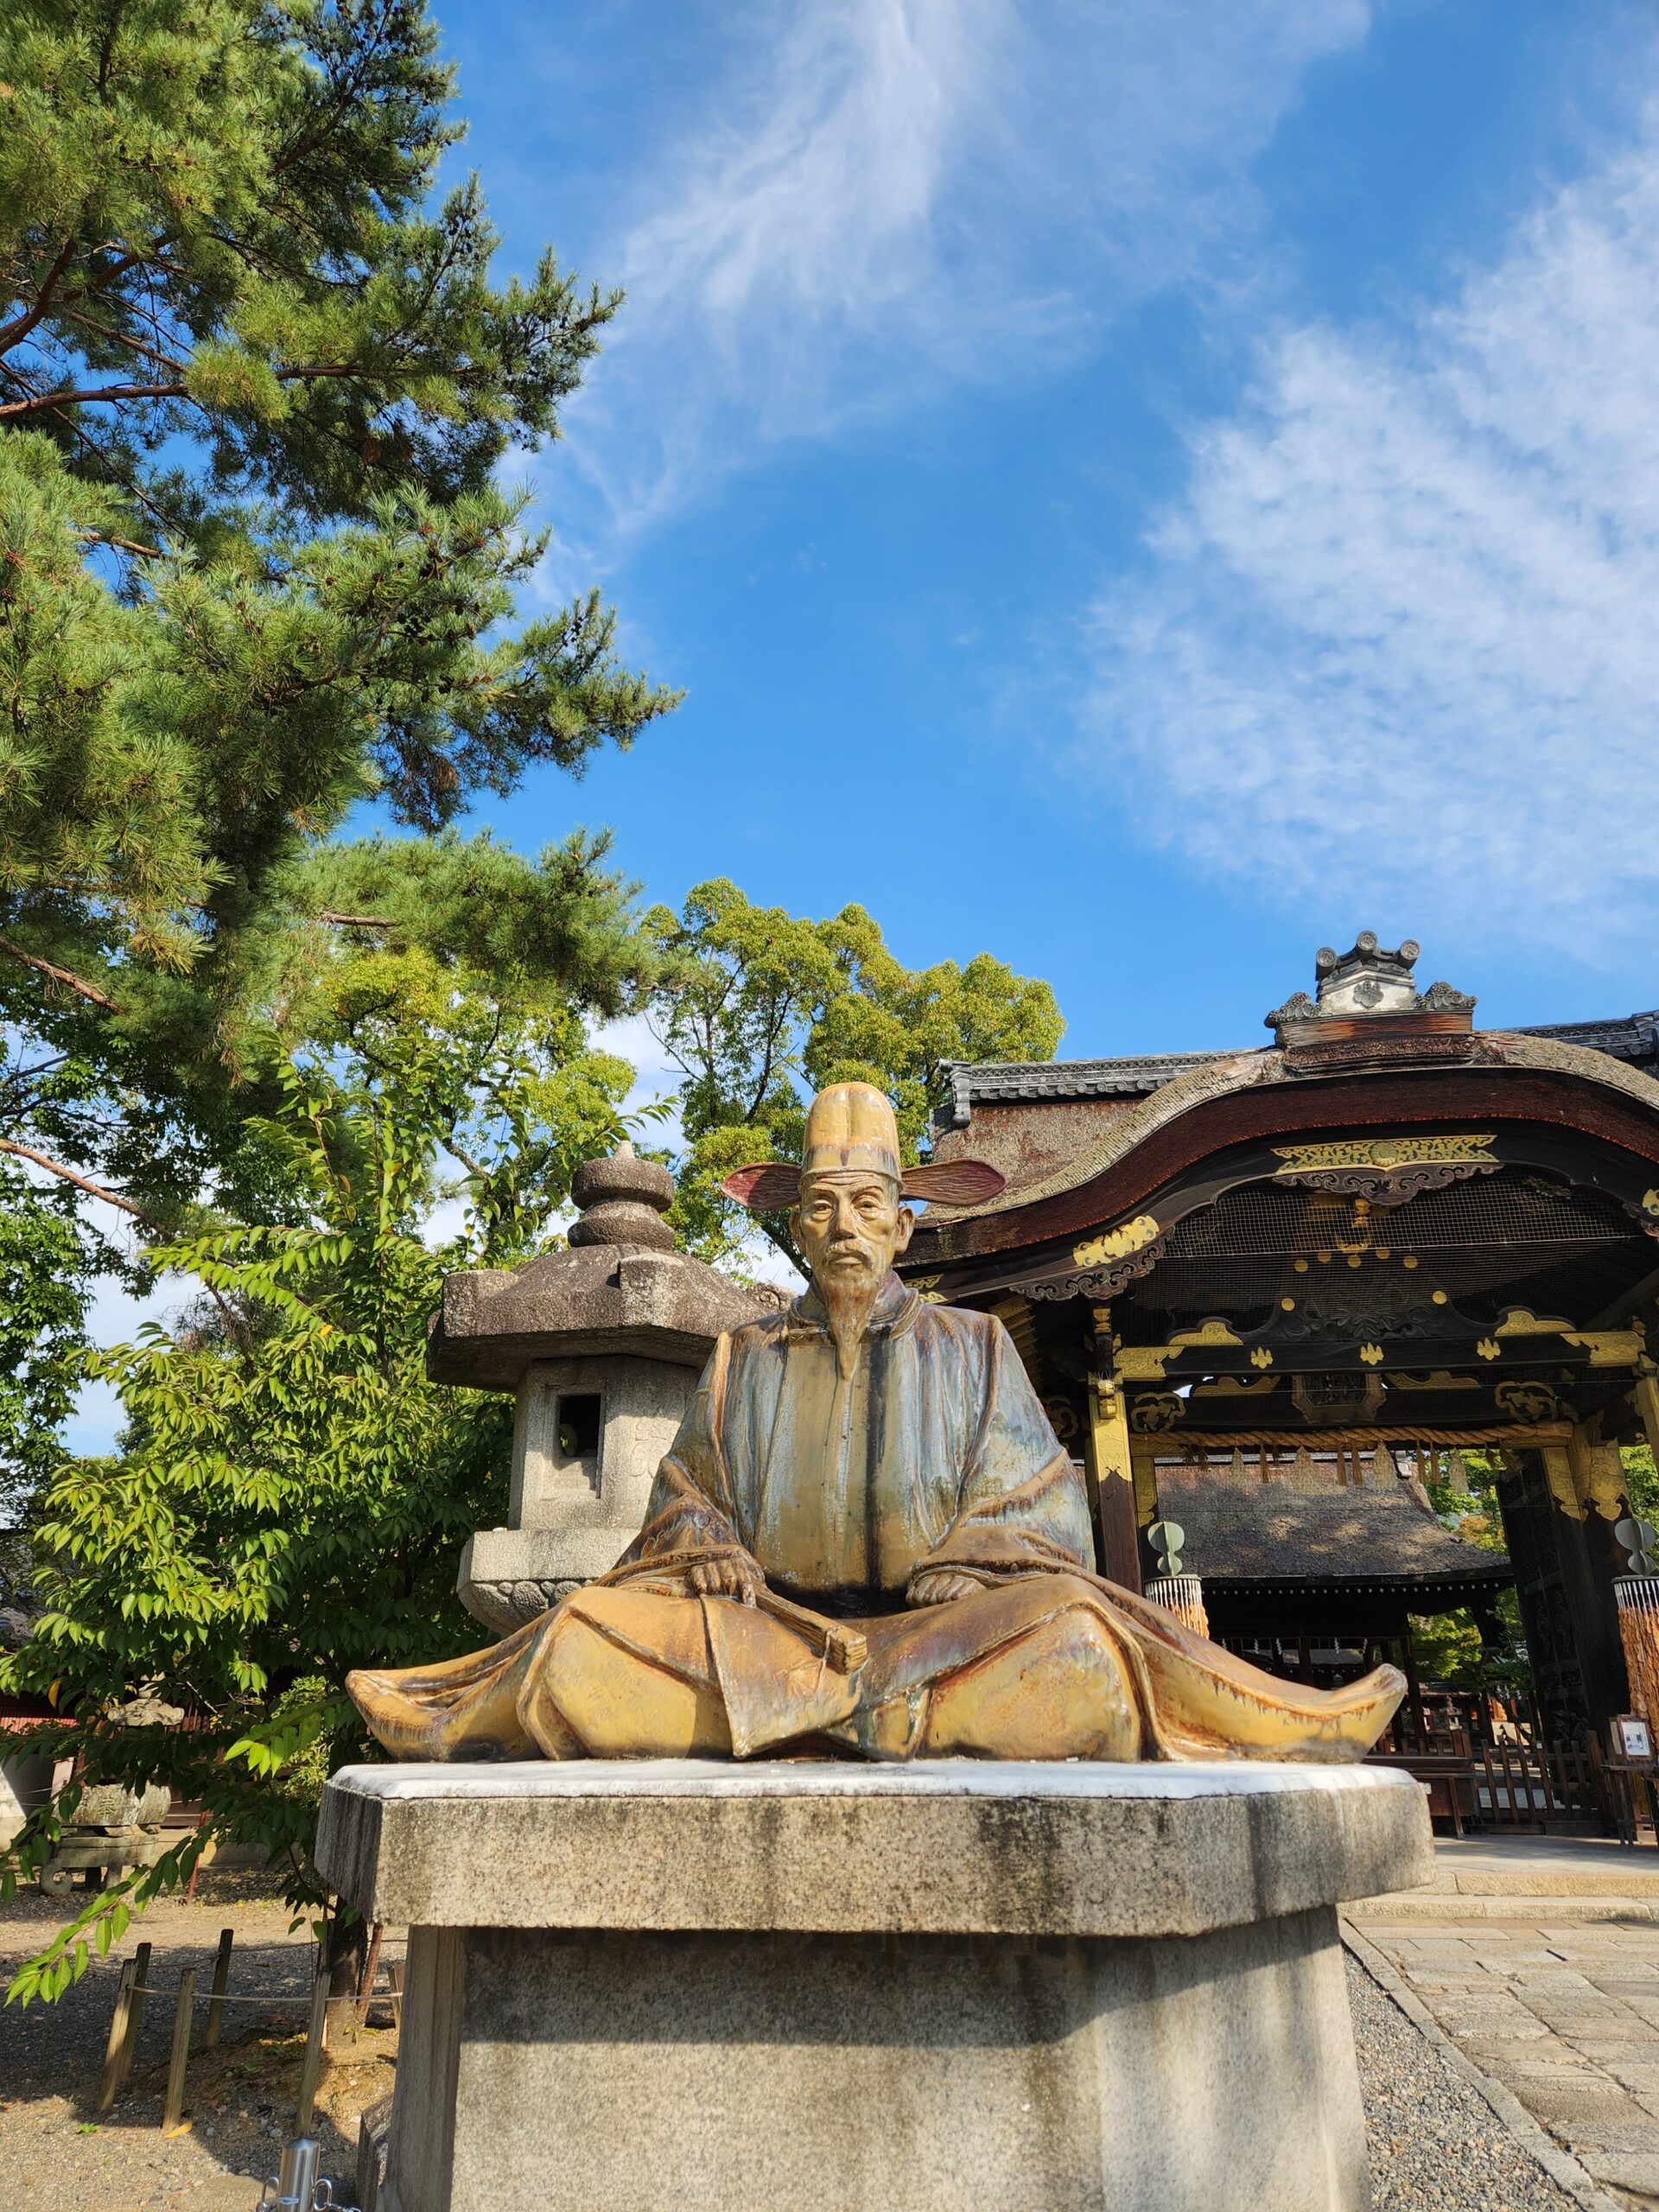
[(602, 1346)]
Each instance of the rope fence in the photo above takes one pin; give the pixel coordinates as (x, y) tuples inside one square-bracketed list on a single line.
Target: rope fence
[(205, 1997), (134, 1986)]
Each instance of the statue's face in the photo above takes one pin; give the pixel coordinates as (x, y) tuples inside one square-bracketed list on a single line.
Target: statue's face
[(850, 1227)]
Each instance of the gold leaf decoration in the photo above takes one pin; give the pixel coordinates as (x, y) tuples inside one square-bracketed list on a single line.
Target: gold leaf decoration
[(1115, 1243), (1384, 1153)]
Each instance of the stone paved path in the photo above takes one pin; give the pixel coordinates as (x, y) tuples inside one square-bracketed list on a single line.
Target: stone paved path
[(1564, 2014)]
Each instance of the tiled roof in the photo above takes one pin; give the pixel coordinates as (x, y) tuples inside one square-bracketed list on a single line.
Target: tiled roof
[(1251, 1531), (1634, 1038), (1015, 1081), (1631, 1037)]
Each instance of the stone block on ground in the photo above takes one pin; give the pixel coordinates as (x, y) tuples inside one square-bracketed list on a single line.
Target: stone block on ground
[(1046, 1988)]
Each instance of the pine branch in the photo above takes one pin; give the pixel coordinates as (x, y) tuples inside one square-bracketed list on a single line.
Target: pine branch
[(124, 544), (64, 976), (13, 332), (342, 372), (82, 1182)]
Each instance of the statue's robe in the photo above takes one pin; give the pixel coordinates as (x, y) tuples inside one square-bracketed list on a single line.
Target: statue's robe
[(931, 1455)]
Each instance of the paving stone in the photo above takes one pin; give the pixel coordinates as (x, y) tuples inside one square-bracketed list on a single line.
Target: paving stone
[(1568, 2019), (1634, 2171), (1565, 2100)]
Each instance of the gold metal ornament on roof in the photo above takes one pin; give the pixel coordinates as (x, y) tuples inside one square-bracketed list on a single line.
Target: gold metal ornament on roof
[(1385, 1153), (1115, 1243)]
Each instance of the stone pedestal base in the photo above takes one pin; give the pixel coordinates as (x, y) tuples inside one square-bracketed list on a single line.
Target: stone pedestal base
[(828, 1988)]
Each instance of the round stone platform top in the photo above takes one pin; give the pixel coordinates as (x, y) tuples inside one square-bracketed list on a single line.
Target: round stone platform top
[(955, 1847), (620, 1287)]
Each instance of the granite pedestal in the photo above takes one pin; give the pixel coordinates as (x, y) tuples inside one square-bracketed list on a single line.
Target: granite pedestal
[(828, 1987)]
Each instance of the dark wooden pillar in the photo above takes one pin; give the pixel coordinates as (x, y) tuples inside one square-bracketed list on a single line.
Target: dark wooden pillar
[(1565, 1589)]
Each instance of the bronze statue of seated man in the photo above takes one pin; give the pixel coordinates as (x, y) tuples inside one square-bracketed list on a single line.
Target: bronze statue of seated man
[(867, 1539)]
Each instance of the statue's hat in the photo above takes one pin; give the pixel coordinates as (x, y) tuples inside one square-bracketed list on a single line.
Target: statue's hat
[(850, 1128)]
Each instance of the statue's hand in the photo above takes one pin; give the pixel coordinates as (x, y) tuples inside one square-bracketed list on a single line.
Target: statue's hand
[(940, 1584), (728, 1578)]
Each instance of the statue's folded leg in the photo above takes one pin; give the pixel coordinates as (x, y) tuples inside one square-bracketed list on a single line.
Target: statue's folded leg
[(1062, 1666), (606, 1674), (1030, 1668), (1062, 1690), (463, 1708), (625, 1675)]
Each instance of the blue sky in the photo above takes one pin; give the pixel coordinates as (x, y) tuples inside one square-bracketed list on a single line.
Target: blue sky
[(1146, 489)]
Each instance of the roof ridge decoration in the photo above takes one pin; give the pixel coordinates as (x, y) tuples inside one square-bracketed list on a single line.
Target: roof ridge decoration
[(1365, 982), (1225, 1073)]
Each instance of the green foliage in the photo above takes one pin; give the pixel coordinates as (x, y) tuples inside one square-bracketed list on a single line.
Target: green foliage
[(292, 1492), (43, 1294), (1450, 1651), (255, 563), (1641, 1483), (760, 1009), (1449, 1646)]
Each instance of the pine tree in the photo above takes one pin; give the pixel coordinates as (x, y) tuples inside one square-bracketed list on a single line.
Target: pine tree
[(256, 564)]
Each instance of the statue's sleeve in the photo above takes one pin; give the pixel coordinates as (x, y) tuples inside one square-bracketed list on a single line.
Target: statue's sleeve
[(1021, 1506), (690, 1512)]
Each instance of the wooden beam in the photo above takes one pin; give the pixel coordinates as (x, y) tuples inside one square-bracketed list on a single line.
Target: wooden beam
[(1170, 1443)]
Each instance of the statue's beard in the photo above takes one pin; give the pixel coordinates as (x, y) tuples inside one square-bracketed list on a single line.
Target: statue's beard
[(848, 1296)]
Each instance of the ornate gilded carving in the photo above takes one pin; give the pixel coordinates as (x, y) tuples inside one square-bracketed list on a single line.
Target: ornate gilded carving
[(1385, 1155), (1396, 1184), (1062, 1418), (1313, 1056), (1332, 1396), (1368, 1302), (1100, 1282), (1526, 1401), (1521, 1321), (1607, 1347), (1155, 1413), (1115, 1243), (1312, 1053), (1146, 1362)]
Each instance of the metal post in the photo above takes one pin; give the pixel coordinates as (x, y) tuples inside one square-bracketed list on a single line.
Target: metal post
[(117, 2043), (296, 2178), (313, 2066), (184, 2012), (221, 1977), (135, 2012)]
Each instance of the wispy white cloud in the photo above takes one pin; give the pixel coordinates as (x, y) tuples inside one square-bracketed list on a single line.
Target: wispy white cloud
[(1402, 629), (902, 192)]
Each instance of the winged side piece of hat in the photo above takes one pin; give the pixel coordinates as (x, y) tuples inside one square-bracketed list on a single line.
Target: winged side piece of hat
[(850, 1128)]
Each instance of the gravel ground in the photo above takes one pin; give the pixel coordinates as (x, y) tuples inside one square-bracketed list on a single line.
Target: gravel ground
[(1435, 2145), (240, 2098)]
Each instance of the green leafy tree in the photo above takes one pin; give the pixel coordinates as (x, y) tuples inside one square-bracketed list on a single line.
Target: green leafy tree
[(758, 1009), (1449, 1648), (44, 1271), (291, 1493), (256, 565)]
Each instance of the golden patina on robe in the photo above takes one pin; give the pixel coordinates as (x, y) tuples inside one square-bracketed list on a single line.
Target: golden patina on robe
[(848, 1483)]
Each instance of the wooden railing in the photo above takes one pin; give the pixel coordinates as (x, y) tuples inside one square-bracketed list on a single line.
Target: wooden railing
[(1517, 1787)]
